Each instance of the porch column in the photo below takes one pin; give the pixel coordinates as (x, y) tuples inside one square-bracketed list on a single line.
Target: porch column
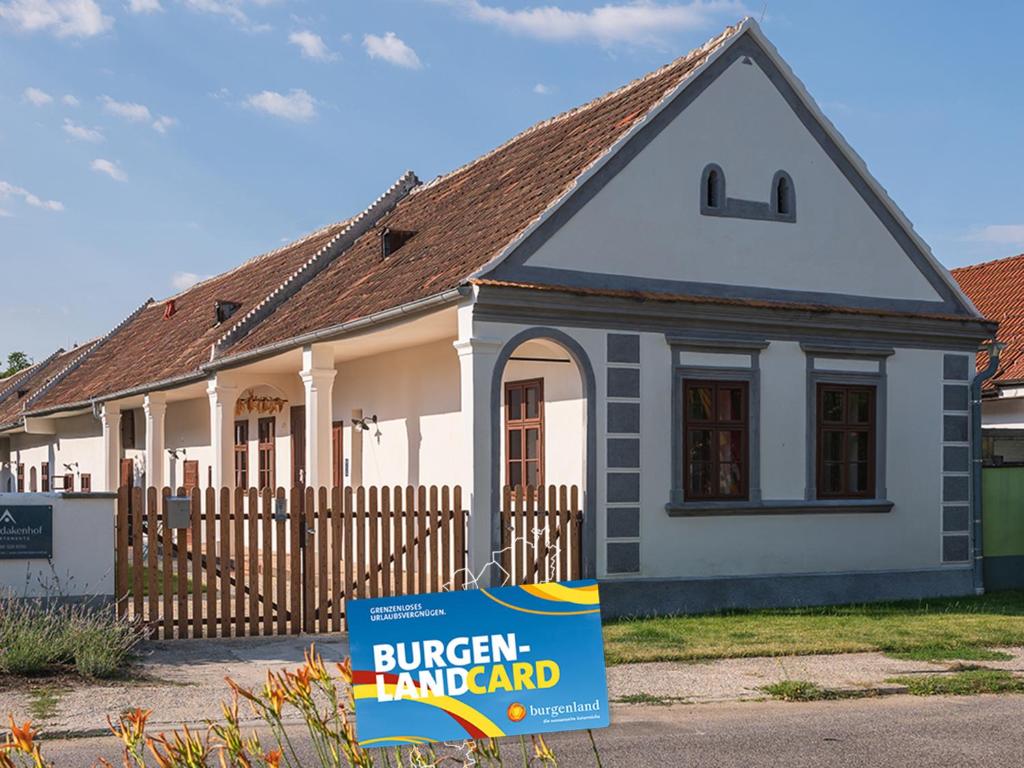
[(222, 430), (476, 365), (317, 375), (110, 417), (155, 406)]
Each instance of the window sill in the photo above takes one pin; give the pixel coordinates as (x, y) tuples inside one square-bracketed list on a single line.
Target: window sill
[(801, 507)]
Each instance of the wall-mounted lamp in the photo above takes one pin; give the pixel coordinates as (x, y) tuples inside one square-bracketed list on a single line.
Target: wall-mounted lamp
[(73, 467), (365, 422), (174, 453)]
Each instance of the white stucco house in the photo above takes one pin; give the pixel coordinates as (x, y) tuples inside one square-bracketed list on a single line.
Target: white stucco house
[(688, 297)]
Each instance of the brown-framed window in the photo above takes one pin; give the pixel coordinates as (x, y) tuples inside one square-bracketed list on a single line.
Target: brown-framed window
[(241, 454), (69, 482), (86, 482), (190, 475), (21, 478), (128, 429), (524, 432), (44, 477), (338, 452), (716, 439), (846, 441), (265, 447)]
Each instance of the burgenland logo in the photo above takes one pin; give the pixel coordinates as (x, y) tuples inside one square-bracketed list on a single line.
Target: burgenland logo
[(515, 712), (7, 517)]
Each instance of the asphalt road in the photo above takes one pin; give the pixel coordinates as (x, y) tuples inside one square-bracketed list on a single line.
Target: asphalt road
[(874, 733)]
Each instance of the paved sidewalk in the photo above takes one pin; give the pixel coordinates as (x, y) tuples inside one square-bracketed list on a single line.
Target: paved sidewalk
[(183, 681)]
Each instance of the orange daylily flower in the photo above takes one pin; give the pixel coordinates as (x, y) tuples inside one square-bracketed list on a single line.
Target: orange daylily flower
[(22, 737), (273, 758)]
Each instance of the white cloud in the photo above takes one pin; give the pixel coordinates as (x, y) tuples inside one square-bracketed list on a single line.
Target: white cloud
[(36, 97), (231, 9), (311, 45), (541, 89), (297, 105), (81, 132), (999, 234), (641, 21), (181, 281), (137, 113), (112, 169), (69, 100), (8, 190), (144, 6), (162, 123), (62, 18), (391, 49)]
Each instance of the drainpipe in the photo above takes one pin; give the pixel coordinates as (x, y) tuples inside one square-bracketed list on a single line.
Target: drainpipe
[(994, 348)]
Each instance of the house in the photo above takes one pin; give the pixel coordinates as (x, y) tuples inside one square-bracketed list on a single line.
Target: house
[(688, 298), (996, 288)]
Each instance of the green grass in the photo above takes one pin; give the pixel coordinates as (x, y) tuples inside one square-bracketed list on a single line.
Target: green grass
[(798, 690), (950, 653), (966, 683), (961, 628), (159, 581), (43, 701)]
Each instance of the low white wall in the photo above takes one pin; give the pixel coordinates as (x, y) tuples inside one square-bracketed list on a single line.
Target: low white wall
[(79, 441), (83, 548)]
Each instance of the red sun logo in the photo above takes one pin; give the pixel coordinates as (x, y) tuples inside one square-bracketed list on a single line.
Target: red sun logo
[(516, 712)]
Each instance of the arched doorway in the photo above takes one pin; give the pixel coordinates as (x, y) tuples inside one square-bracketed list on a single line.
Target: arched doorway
[(543, 425)]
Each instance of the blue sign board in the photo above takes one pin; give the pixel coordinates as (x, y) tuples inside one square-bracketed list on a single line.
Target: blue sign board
[(478, 663), (26, 532)]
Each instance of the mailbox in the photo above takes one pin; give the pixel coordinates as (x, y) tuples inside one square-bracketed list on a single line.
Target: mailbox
[(179, 511), (280, 510)]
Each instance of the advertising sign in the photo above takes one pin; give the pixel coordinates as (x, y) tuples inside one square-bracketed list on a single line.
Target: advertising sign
[(478, 663), (26, 532)]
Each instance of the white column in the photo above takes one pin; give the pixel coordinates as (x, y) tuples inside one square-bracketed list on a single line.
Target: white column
[(476, 365), (222, 430), (317, 376), (111, 420), (155, 406)]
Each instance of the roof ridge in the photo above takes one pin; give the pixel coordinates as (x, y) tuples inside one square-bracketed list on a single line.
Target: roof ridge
[(325, 255), (28, 374), (81, 358), (989, 263), (702, 50), (253, 259)]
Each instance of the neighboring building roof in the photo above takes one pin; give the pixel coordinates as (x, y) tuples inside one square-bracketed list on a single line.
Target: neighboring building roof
[(149, 348), (997, 290), (16, 391)]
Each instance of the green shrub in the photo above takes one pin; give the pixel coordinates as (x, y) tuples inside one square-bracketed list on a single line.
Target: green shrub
[(39, 637)]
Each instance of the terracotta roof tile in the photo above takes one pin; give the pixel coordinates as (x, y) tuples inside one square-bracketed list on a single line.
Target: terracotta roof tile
[(19, 389), (997, 290), (462, 220)]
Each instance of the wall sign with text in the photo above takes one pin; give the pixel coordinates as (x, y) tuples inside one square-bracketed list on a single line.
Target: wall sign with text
[(478, 663), (26, 532)]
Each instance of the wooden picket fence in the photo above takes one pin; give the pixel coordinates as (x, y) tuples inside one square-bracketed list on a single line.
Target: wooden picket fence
[(542, 532), (262, 563)]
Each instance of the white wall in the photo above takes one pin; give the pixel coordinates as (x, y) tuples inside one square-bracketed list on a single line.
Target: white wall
[(415, 396), (79, 439), (83, 549), (646, 221)]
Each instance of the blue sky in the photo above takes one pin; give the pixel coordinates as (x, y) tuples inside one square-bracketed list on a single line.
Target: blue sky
[(144, 143)]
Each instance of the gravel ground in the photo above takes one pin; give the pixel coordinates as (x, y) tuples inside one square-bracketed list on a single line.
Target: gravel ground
[(183, 681)]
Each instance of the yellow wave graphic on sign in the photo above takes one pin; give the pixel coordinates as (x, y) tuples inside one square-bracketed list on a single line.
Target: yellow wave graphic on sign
[(540, 613), (585, 595), (447, 704)]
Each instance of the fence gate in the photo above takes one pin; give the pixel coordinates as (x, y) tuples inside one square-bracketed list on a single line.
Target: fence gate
[(541, 534), (238, 562)]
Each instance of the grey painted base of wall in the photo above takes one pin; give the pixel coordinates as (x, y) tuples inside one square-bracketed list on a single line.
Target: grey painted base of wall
[(1004, 572), (644, 597)]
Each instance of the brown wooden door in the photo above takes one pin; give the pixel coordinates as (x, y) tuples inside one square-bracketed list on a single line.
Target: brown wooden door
[(338, 451), (298, 445), (127, 472), (191, 476)]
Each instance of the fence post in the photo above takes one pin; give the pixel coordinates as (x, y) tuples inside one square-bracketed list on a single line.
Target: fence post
[(121, 560)]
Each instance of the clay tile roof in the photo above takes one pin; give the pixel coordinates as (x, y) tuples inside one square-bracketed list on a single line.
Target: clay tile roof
[(461, 221), (997, 290), (149, 348), (16, 391)]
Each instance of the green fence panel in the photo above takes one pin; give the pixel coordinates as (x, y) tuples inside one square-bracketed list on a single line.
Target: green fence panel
[(1002, 508)]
